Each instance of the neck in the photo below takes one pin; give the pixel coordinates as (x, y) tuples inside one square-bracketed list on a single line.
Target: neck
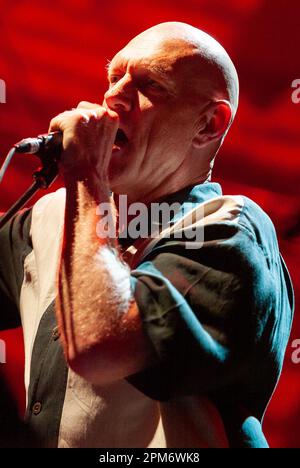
[(161, 191)]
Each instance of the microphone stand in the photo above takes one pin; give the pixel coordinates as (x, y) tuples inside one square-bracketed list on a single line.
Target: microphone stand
[(43, 178)]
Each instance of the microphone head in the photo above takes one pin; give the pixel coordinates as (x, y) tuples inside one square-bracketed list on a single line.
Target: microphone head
[(28, 146)]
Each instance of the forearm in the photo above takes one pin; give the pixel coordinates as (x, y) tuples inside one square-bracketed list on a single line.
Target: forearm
[(98, 318), (96, 311)]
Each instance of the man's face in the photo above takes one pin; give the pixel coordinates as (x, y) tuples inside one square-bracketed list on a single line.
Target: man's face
[(151, 89)]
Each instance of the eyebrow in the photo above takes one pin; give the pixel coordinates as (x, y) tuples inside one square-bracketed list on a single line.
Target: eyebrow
[(169, 82), (157, 70)]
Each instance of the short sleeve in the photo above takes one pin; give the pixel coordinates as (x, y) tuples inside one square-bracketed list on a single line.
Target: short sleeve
[(203, 310), (15, 245)]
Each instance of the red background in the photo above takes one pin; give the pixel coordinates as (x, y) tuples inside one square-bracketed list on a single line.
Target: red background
[(53, 55)]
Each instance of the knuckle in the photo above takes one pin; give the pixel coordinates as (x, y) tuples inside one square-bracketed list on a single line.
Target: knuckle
[(81, 117), (93, 115), (83, 104), (55, 122)]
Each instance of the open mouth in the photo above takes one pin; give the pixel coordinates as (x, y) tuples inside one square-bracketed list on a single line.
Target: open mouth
[(121, 139)]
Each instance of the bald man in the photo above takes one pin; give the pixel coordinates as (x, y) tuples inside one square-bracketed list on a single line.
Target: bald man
[(172, 340)]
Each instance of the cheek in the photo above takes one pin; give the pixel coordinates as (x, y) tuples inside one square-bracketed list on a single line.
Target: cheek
[(173, 134), (164, 148), (161, 128)]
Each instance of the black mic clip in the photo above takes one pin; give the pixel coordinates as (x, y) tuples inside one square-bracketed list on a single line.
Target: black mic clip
[(48, 149)]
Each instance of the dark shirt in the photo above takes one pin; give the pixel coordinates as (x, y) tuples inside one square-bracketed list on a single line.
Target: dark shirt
[(218, 314)]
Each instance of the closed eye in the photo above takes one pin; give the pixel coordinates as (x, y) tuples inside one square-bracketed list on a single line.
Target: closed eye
[(154, 84), (114, 79), (149, 83)]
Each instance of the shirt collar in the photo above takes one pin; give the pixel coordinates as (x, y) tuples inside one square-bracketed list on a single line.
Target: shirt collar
[(188, 198)]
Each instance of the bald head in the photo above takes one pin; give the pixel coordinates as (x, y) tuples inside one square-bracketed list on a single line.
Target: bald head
[(175, 90), (210, 71)]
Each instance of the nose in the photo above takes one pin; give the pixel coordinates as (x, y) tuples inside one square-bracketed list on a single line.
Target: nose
[(119, 97)]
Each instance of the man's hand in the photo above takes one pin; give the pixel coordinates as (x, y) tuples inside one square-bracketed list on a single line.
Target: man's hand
[(88, 136)]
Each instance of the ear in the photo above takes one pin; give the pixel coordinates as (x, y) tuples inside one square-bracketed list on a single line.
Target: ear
[(218, 118)]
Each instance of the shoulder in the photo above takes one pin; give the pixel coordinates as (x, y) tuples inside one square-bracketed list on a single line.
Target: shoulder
[(47, 224), (233, 238), (48, 215), (256, 220), (237, 222), (243, 212), (51, 205)]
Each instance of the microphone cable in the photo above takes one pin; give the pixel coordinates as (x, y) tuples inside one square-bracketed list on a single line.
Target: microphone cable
[(6, 163)]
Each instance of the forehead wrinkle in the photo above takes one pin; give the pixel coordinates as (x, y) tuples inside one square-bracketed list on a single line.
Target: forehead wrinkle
[(157, 64), (146, 50), (173, 61)]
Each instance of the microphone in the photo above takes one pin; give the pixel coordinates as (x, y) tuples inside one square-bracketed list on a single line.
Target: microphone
[(48, 148), (49, 143)]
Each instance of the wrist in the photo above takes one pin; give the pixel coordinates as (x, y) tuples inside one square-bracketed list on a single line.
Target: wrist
[(90, 181)]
